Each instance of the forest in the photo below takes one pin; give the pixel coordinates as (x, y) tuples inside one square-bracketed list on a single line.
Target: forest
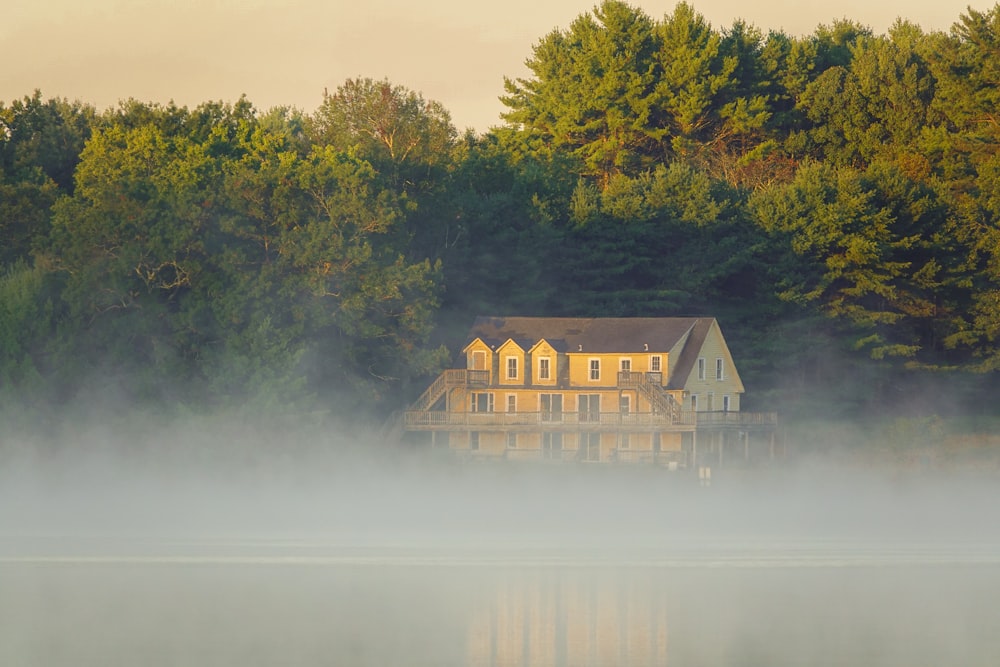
[(833, 199)]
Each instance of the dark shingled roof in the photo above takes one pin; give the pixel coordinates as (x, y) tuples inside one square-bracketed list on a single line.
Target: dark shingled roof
[(594, 334), (680, 368), (627, 335)]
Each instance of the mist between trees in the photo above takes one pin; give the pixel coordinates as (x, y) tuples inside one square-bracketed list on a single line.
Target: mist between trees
[(832, 199)]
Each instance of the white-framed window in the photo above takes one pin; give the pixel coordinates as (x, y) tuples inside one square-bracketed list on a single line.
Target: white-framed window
[(719, 369), (710, 402), (482, 401), (589, 407), (623, 441), (655, 363), (511, 440), (595, 370), (478, 360), (625, 364), (544, 368), (474, 440), (551, 406), (694, 402), (625, 404), (511, 402), (701, 368), (511, 365), (725, 403)]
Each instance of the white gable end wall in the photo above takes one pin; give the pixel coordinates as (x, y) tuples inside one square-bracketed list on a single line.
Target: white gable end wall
[(713, 348)]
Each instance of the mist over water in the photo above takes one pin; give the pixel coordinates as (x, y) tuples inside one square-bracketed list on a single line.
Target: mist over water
[(236, 546)]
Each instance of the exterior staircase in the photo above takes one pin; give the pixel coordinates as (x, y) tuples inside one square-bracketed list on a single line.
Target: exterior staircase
[(649, 386), (449, 379)]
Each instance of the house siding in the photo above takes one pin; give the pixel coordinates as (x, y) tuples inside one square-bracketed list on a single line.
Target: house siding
[(714, 347), (501, 406)]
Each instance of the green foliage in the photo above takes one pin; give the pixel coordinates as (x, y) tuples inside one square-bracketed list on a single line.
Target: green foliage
[(225, 258), (404, 136), (834, 199), (592, 90), (40, 144), (877, 104), (27, 319)]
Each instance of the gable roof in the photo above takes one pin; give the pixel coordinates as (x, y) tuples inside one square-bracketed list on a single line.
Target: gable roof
[(682, 337), (593, 334), (680, 368)]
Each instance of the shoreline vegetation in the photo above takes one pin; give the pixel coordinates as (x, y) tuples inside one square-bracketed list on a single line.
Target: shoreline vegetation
[(833, 200)]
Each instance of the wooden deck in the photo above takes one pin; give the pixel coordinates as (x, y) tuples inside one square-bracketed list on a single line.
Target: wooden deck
[(440, 420)]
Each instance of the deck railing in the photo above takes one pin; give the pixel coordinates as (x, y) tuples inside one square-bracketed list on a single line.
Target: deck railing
[(737, 418), (452, 377), (482, 420), (430, 419)]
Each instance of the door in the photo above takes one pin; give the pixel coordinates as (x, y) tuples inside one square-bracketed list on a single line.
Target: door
[(590, 407), (551, 405)]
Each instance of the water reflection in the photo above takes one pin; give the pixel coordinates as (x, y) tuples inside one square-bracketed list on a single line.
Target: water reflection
[(568, 618), (854, 613), (247, 611)]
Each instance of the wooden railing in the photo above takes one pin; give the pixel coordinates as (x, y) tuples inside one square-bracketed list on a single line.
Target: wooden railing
[(737, 418), (453, 377), (632, 379), (552, 420), (650, 385), (603, 421)]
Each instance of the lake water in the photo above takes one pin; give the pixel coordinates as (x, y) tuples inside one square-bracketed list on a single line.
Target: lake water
[(102, 565), (294, 603)]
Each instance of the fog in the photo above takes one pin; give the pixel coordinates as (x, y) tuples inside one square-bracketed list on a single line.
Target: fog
[(223, 544)]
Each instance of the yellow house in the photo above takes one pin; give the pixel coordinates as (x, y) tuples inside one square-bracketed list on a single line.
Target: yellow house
[(657, 390)]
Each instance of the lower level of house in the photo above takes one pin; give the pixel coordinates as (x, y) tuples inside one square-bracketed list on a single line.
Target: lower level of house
[(673, 449)]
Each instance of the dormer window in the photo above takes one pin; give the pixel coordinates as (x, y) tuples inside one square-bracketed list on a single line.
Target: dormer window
[(511, 368), (544, 369)]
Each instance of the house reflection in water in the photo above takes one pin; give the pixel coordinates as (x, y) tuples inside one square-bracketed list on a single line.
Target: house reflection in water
[(544, 620)]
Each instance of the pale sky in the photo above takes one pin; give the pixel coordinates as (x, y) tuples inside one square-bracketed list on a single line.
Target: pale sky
[(285, 52)]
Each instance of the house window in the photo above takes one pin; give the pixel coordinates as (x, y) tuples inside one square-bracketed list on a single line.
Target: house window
[(595, 369), (551, 407), (482, 402), (710, 401), (625, 404), (511, 368), (511, 440), (701, 368), (625, 365), (479, 360), (655, 363), (511, 402), (623, 441), (474, 440), (589, 407), (719, 375), (694, 402), (544, 372), (725, 403), (590, 443)]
